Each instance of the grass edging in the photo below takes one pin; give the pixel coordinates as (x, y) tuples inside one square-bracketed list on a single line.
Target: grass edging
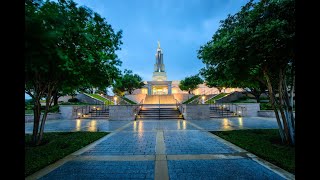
[(190, 99), (264, 143), (55, 146)]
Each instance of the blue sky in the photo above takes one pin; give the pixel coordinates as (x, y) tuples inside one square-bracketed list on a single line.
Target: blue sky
[(181, 26)]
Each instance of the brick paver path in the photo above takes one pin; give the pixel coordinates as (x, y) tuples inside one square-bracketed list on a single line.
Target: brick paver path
[(165, 149)]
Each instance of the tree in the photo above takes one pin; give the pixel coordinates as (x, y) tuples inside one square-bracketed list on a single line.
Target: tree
[(190, 83), (66, 46), (127, 83), (257, 43), (220, 76)]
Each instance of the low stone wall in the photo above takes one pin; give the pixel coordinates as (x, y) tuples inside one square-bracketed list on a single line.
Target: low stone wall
[(136, 97), (269, 113), (50, 116), (251, 109), (182, 97), (195, 111), (122, 112), (67, 111)]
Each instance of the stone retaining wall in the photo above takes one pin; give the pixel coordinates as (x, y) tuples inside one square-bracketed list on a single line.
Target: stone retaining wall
[(251, 109), (87, 99), (136, 97), (122, 112), (182, 97), (195, 111)]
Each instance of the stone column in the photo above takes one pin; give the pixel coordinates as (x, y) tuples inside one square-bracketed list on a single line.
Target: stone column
[(149, 89), (169, 88)]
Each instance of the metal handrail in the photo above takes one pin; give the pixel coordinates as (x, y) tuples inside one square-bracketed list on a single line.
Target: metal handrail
[(177, 103), (138, 108), (221, 108)]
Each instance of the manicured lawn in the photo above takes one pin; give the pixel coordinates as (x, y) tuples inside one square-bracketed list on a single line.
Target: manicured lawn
[(216, 97), (54, 147), (191, 99), (128, 100), (106, 101), (265, 143)]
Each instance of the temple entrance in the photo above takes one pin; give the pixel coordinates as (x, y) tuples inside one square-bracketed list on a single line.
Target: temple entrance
[(160, 90)]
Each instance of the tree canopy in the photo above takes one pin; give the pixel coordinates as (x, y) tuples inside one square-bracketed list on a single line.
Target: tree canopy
[(190, 83), (127, 83), (255, 48), (66, 47)]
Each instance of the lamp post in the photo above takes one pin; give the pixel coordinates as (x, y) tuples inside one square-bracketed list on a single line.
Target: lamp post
[(115, 100)]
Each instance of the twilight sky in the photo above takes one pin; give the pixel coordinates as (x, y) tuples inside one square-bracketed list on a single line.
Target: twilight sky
[(181, 26)]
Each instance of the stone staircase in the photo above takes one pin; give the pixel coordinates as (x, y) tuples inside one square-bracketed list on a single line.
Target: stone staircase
[(158, 114), (97, 114), (163, 99), (218, 112)]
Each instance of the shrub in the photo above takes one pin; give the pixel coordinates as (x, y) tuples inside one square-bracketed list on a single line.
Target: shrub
[(265, 106), (53, 109)]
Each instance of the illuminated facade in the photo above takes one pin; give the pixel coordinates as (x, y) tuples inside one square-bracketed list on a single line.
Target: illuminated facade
[(159, 84)]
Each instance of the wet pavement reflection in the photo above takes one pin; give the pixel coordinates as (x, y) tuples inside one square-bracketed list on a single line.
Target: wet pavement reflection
[(217, 124)]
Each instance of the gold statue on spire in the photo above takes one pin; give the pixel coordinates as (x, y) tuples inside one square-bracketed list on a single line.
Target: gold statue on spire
[(158, 44)]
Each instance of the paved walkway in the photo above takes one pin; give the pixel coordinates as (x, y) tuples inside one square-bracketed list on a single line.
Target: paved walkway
[(166, 149)]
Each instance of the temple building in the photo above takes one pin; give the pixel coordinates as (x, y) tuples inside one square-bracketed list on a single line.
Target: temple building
[(161, 86)]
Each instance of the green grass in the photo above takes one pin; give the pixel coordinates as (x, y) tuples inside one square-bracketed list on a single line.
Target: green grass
[(128, 100), (265, 143), (106, 101), (54, 147), (216, 97), (191, 99)]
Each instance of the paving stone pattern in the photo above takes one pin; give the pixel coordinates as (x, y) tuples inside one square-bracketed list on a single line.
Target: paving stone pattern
[(103, 170), (129, 152), (193, 142), (245, 169), (126, 143)]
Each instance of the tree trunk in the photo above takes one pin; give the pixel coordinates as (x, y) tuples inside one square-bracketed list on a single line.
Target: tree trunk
[(256, 94), (288, 111), (36, 119), (44, 117), (272, 100), (55, 98)]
